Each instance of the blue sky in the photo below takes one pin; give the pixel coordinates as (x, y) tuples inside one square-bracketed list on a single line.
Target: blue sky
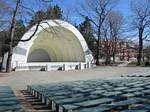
[(123, 6), (71, 8)]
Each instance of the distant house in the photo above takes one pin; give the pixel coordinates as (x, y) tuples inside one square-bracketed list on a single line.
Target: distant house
[(146, 53), (124, 50), (127, 50)]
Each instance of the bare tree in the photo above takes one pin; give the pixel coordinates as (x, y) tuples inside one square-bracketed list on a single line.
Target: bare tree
[(115, 21), (12, 30), (111, 30), (106, 42), (97, 11), (141, 23)]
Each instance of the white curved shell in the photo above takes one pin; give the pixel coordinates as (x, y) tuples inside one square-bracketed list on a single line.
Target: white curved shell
[(22, 50)]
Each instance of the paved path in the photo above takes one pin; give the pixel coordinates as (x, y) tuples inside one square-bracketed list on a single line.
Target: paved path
[(19, 80), (124, 64)]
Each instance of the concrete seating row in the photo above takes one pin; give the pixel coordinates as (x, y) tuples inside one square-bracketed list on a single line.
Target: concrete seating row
[(95, 95), (8, 100), (145, 74)]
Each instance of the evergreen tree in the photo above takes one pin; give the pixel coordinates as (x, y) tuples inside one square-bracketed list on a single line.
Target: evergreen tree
[(49, 12), (20, 29), (87, 31), (54, 12), (38, 16), (4, 35)]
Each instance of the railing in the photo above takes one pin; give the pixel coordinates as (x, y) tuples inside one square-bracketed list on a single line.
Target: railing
[(52, 66)]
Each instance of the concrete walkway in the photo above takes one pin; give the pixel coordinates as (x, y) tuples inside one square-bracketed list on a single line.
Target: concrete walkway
[(124, 64), (19, 80)]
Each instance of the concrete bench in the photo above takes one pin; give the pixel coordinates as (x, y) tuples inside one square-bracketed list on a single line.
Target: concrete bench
[(95, 102), (133, 89), (108, 94), (135, 110), (144, 106), (11, 108), (8, 100), (70, 100), (97, 109), (128, 102), (120, 88), (98, 92)]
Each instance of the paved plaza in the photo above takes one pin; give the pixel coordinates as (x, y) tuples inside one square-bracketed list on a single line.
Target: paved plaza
[(20, 80)]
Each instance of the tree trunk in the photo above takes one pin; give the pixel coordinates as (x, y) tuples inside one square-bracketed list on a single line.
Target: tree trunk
[(140, 47), (97, 53), (12, 30), (108, 60), (114, 50), (123, 57), (107, 55), (98, 45), (114, 58), (128, 55), (128, 52), (143, 57)]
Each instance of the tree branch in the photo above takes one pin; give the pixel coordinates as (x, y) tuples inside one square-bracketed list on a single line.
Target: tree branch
[(37, 26)]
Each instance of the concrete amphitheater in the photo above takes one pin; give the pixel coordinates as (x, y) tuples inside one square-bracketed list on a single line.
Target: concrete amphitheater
[(55, 45)]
